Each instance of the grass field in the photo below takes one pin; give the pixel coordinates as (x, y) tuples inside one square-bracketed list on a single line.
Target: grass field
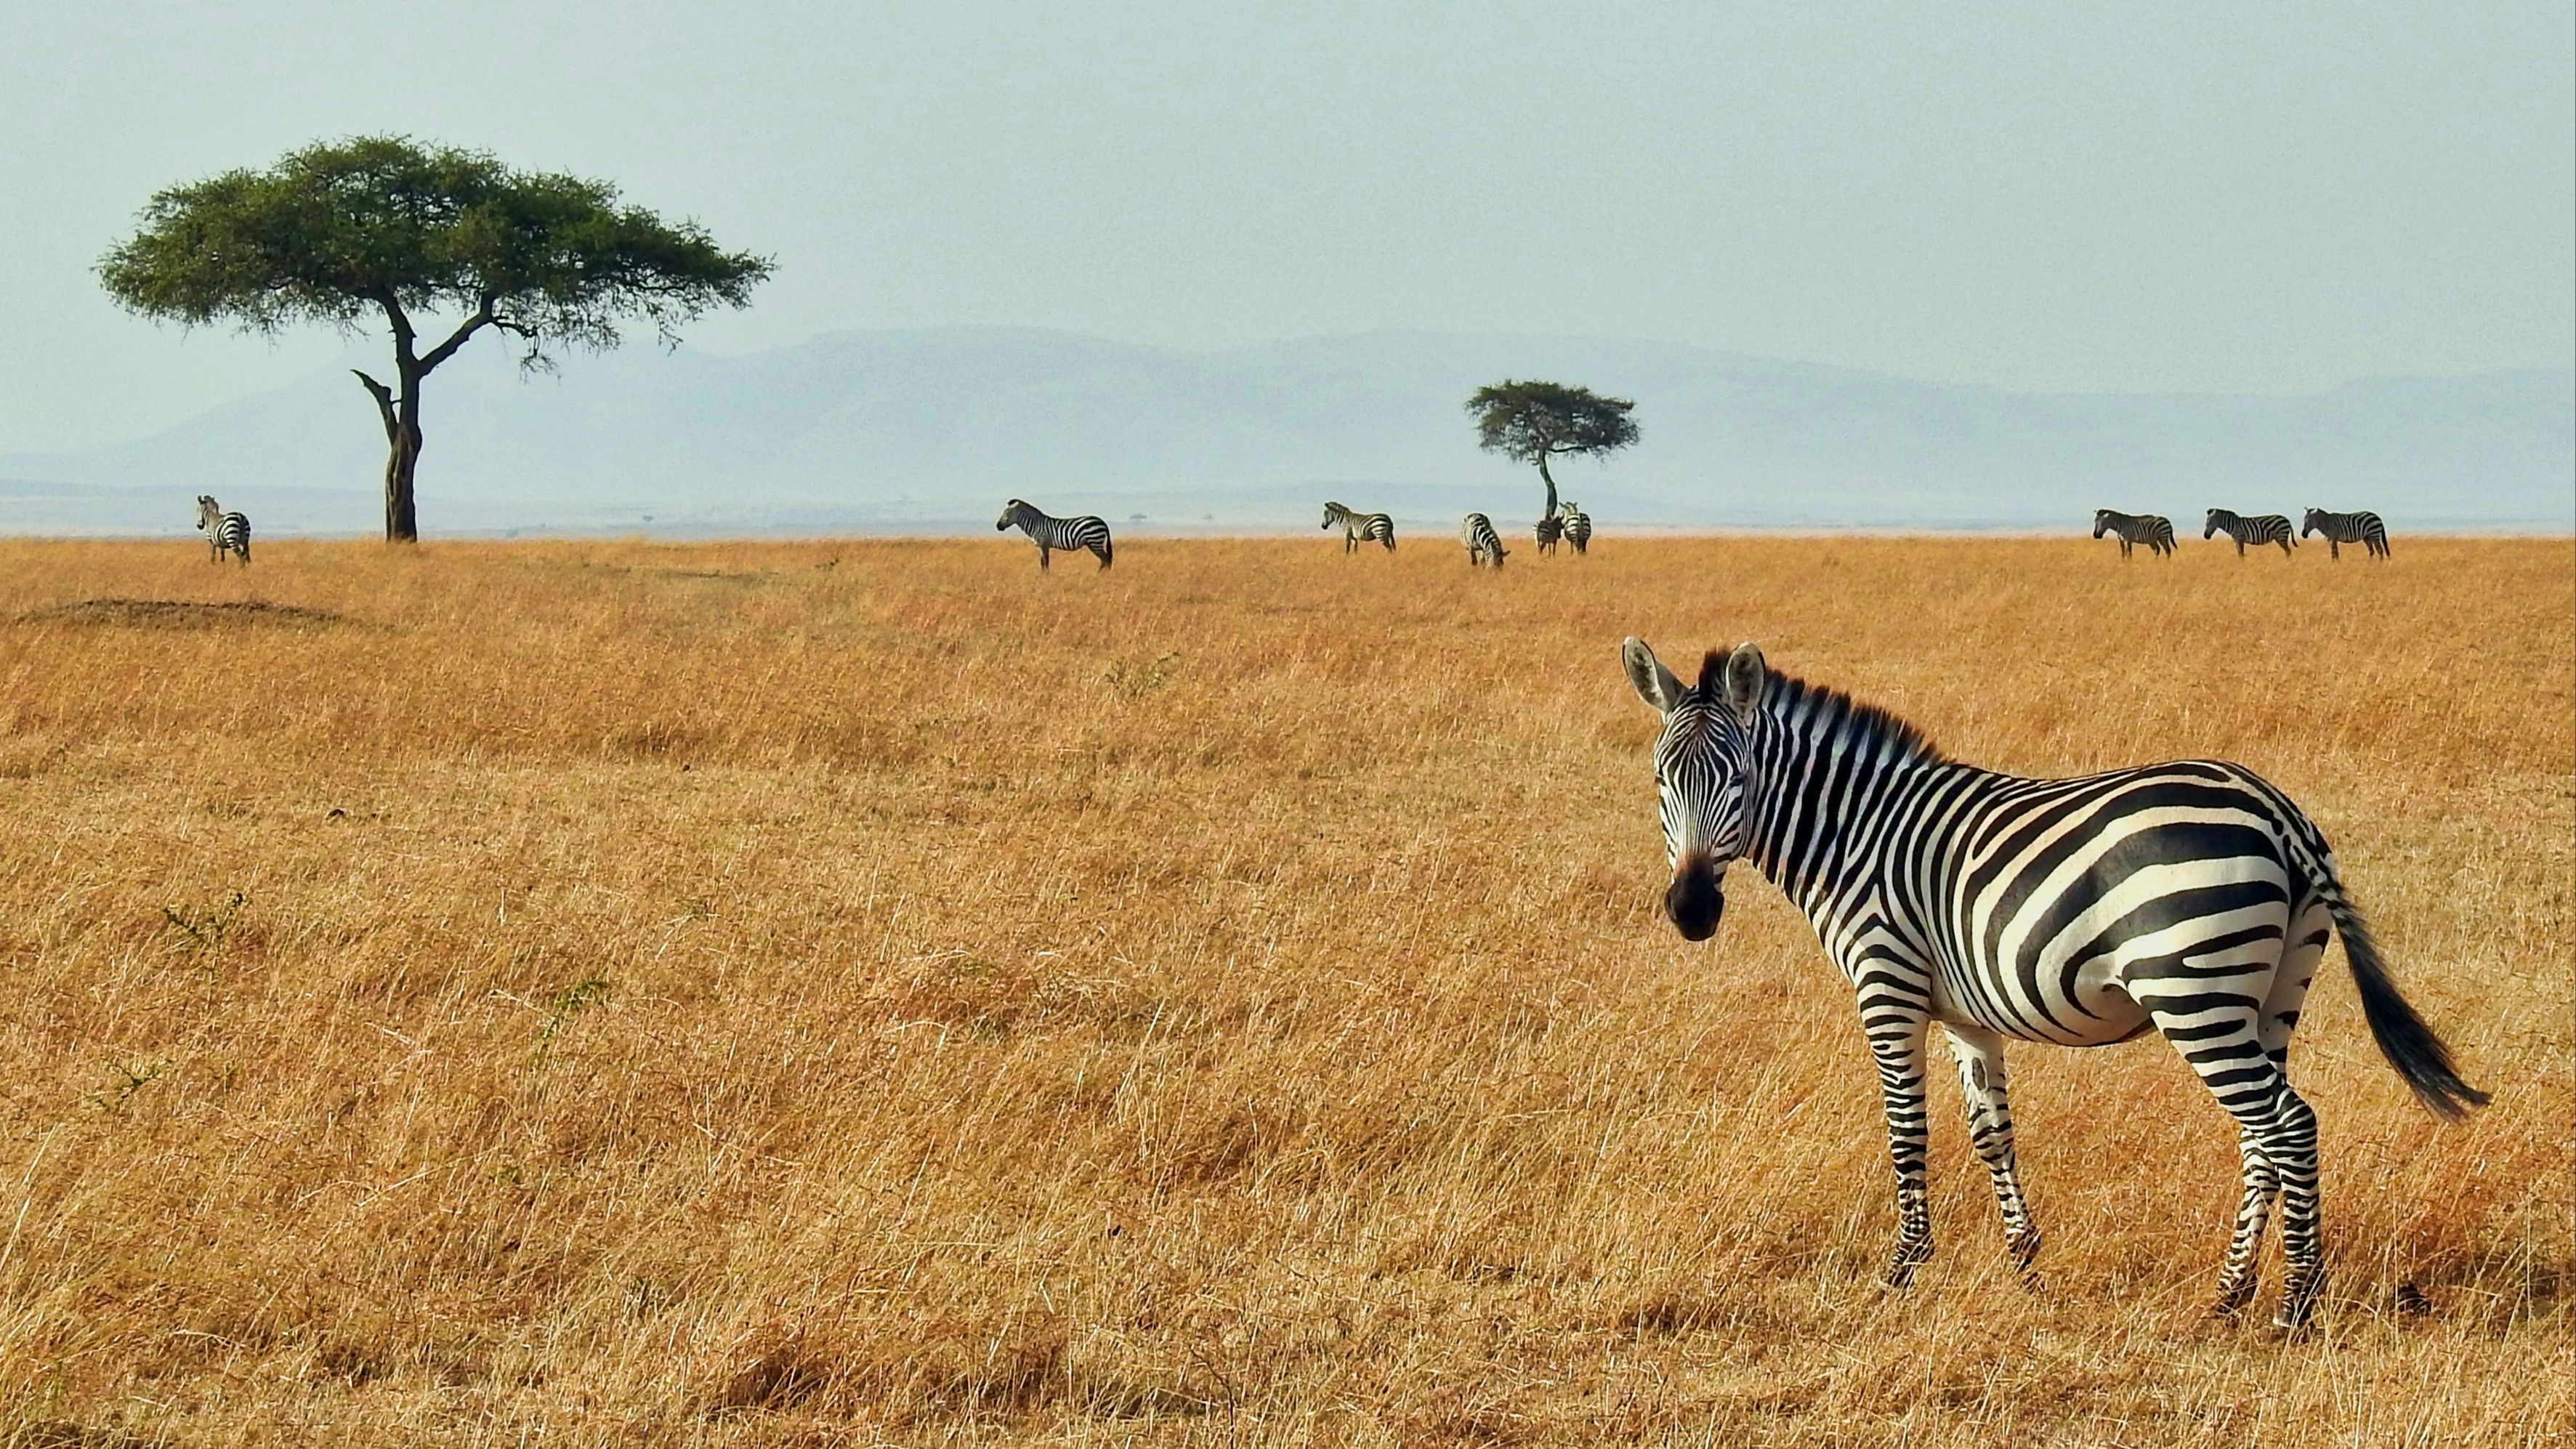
[(849, 992)]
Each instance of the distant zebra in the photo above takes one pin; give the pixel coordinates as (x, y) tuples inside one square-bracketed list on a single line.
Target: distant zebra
[(225, 532), (1547, 531), (2341, 528), (1578, 526), (2190, 898), (1484, 546), (2258, 530), (1069, 534), (1358, 526), (2152, 529)]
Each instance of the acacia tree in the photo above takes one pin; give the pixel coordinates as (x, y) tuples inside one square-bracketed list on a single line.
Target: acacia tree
[(1531, 422), (346, 232)]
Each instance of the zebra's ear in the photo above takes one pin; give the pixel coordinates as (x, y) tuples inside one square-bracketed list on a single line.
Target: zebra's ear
[(1655, 684), (1745, 673)]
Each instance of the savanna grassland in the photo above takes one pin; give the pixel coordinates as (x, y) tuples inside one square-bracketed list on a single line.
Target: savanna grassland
[(832, 993)]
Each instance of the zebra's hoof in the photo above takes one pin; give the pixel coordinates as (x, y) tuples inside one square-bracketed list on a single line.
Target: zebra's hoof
[(2023, 1247), (2297, 1308), (1903, 1260)]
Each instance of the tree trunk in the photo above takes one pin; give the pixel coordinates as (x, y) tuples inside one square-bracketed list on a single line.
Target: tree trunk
[(402, 459), (1550, 479), (401, 416)]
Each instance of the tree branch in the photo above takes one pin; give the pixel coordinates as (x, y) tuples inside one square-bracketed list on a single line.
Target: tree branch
[(482, 318), (384, 397)]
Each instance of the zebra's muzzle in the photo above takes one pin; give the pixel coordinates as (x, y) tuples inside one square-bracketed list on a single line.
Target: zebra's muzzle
[(1695, 901)]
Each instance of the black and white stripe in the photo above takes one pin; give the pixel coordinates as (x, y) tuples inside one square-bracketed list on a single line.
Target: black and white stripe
[(1484, 546), (1578, 526), (2257, 529), (2363, 528), (1547, 531), (1070, 535), (2190, 898), (2152, 529), (1356, 526), (225, 532)]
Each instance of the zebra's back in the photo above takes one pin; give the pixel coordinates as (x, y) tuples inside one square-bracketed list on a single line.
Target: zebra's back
[(2014, 890)]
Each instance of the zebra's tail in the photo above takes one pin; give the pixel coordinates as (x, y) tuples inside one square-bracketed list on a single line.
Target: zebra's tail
[(2409, 1044)]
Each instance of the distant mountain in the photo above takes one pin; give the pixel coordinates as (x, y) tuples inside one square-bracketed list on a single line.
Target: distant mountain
[(931, 430)]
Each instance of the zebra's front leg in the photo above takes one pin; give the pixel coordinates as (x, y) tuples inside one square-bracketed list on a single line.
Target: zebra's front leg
[(1980, 1057), (1896, 1040), (1042, 558)]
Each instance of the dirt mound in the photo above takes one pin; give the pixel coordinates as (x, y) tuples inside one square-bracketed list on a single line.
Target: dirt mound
[(179, 614)]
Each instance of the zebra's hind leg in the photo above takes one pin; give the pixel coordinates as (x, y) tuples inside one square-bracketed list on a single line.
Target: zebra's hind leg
[(1896, 1040), (1980, 1057), (2242, 1275), (2278, 1132)]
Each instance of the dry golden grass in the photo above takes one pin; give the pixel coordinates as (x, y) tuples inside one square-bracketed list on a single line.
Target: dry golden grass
[(821, 993)]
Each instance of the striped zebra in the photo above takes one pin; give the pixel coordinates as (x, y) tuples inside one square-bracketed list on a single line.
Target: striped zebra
[(1578, 526), (1547, 531), (1072, 535), (1484, 546), (2258, 530), (2190, 898), (2341, 528), (2152, 529), (225, 532), (1358, 526)]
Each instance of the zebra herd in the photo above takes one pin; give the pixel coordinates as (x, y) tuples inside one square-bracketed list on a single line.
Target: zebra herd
[(1565, 522), (2156, 531)]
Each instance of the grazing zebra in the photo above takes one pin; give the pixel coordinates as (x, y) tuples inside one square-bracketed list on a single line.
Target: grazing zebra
[(2190, 898), (1547, 531), (225, 532), (1484, 546), (2152, 529), (1068, 534), (1578, 526), (2258, 530), (1357, 526), (2341, 528)]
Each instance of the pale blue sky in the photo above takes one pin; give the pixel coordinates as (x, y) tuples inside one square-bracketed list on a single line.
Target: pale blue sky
[(2080, 197)]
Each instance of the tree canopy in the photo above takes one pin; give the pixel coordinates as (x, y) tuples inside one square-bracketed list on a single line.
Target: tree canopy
[(1531, 422), (345, 232)]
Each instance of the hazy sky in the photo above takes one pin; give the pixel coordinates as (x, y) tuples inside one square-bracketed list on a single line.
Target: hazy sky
[(2065, 196)]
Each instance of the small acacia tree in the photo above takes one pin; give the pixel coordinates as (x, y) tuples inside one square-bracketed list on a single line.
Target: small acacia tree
[(344, 232), (1531, 422)]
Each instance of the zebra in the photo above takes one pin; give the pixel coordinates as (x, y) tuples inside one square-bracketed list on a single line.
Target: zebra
[(2341, 528), (1578, 526), (225, 532), (1484, 546), (2191, 898), (1547, 531), (1068, 534), (2152, 529), (1358, 526), (2258, 530)]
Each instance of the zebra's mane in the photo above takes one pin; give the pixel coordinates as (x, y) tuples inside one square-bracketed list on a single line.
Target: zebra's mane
[(1822, 707)]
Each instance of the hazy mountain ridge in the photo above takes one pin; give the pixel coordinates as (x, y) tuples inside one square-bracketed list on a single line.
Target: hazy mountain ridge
[(932, 429)]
